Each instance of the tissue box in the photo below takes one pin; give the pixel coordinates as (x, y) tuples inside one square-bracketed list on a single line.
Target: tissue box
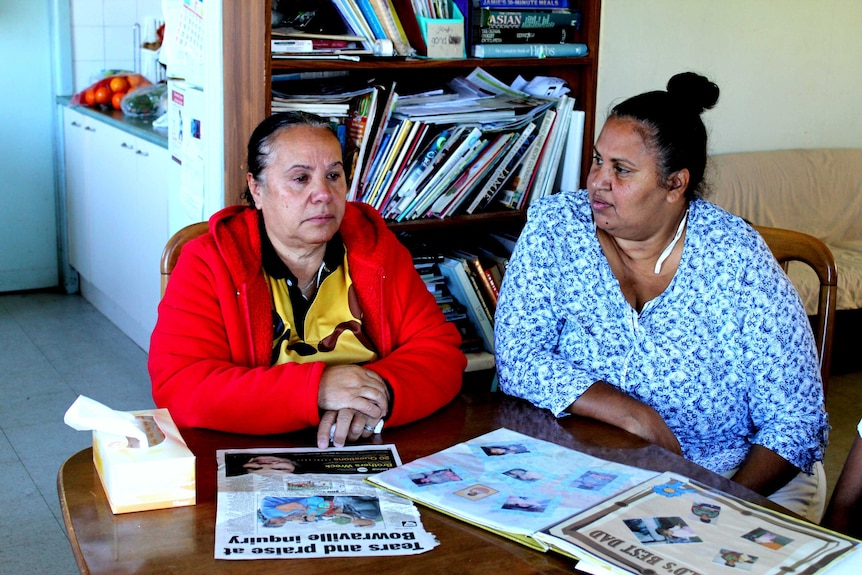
[(136, 479)]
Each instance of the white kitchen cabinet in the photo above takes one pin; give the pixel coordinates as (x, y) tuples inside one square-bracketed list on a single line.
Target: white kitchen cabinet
[(78, 134), (117, 217)]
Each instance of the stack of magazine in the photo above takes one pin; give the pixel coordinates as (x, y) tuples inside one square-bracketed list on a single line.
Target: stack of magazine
[(474, 144), (611, 517)]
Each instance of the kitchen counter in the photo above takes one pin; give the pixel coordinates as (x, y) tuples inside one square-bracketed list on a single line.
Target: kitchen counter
[(140, 127)]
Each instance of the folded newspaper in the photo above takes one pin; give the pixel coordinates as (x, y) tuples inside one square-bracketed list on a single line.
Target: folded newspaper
[(302, 503)]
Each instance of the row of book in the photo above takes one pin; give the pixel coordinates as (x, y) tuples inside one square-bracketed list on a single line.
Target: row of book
[(528, 29), (382, 28), (467, 150), (466, 283), (474, 145), (486, 28)]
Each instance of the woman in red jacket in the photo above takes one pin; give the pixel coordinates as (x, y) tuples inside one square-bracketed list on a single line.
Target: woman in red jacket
[(302, 310)]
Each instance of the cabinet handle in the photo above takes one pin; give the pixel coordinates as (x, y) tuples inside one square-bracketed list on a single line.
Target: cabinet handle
[(127, 146), (142, 153), (76, 124), (90, 128)]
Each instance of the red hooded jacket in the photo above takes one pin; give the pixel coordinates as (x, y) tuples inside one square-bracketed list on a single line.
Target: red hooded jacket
[(210, 351)]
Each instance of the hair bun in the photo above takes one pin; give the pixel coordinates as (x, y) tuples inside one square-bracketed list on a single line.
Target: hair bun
[(693, 89)]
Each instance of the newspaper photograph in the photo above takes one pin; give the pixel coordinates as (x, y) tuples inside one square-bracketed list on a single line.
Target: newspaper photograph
[(307, 502)]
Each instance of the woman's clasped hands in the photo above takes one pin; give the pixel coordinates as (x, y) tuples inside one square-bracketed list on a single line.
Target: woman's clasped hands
[(353, 400)]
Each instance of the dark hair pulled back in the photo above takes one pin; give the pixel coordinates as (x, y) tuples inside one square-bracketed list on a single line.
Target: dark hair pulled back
[(673, 126), (260, 142)]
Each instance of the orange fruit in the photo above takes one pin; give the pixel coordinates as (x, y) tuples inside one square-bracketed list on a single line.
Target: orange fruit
[(90, 97), (136, 80), (103, 95), (119, 84), (117, 99)]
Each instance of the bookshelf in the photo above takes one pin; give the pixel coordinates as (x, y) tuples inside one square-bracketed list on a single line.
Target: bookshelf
[(248, 69)]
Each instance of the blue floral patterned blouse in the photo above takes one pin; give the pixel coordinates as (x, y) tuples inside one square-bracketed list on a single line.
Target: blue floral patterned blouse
[(725, 354)]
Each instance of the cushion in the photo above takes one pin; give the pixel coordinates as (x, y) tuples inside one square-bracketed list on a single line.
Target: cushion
[(816, 191)]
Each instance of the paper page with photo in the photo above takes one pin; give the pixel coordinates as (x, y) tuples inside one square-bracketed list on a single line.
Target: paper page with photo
[(677, 526), (282, 503), (510, 483)]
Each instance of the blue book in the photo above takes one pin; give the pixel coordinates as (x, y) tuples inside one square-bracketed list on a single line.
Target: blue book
[(524, 4), (375, 164), (529, 50), (371, 18)]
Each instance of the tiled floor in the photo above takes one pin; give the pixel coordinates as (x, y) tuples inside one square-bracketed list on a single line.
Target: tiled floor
[(54, 347)]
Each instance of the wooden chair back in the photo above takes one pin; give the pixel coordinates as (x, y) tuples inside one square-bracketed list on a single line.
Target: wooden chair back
[(790, 245), (174, 247)]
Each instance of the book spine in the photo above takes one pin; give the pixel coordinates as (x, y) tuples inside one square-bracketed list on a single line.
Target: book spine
[(379, 130), (392, 26), (487, 290), (359, 126), (530, 19), (558, 35), (462, 289), (371, 18), (407, 15), (524, 4), (492, 281), (477, 290), (546, 172), (355, 21), (471, 176), (529, 50), (518, 184), (569, 173), (504, 169), (277, 46), (289, 46)]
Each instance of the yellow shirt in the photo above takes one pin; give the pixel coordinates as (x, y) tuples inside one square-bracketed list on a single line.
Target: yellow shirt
[(332, 329)]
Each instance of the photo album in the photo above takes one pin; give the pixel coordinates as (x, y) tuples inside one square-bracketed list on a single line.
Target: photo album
[(511, 484), (610, 517), (671, 524)]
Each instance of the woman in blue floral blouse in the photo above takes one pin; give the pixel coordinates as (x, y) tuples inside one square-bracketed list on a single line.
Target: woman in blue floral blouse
[(638, 303)]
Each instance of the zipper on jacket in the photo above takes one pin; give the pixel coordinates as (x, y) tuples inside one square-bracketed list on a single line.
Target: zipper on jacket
[(385, 336), (242, 305)]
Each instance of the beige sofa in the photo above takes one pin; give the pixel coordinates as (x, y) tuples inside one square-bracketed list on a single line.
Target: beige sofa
[(816, 191)]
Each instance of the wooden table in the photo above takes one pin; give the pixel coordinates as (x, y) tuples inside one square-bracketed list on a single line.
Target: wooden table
[(181, 540)]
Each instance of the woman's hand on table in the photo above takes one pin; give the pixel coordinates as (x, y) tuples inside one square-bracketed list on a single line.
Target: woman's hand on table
[(339, 427), (353, 399)]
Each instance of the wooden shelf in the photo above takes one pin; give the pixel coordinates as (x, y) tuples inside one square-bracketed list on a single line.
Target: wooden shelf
[(278, 64), (504, 218)]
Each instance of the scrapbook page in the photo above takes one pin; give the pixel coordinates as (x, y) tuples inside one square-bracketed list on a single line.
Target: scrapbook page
[(510, 483), (671, 524)]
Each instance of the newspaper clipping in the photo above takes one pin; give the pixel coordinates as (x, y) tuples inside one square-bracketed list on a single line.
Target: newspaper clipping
[(302, 503)]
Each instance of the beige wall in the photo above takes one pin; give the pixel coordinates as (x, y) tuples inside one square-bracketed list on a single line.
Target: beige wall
[(790, 71)]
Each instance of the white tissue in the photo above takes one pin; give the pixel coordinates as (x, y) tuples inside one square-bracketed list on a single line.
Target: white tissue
[(86, 414)]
